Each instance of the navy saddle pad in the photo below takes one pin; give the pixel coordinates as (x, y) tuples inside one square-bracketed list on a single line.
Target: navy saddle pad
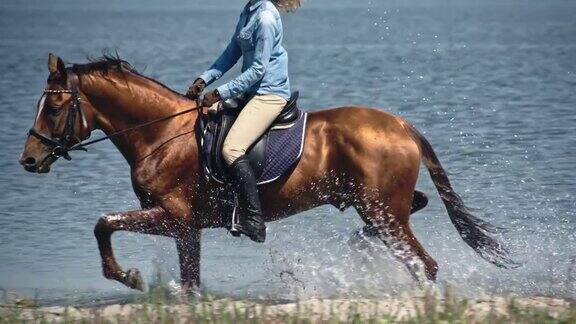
[(272, 156)]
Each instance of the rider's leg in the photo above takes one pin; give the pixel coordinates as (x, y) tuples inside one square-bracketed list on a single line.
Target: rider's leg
[(254, 119), (252, 122), (244, 183)]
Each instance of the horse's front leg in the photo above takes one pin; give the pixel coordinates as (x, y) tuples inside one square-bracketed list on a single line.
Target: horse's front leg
[(155, 221), (189, 254)]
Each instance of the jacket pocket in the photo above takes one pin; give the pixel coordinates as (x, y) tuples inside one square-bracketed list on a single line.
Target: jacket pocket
[(246, 36)]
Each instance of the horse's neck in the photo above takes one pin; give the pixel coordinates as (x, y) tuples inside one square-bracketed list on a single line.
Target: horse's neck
[(124, 100)]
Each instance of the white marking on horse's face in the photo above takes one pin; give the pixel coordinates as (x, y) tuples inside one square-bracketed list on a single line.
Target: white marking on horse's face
[(40, 108)]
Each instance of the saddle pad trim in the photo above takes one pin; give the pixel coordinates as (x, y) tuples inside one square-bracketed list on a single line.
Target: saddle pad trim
[(283, 126)]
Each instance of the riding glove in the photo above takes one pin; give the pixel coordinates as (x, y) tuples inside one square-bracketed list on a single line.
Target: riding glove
[(196, 89)]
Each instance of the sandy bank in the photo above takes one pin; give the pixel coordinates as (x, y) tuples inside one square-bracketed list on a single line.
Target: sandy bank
[(393, 309)]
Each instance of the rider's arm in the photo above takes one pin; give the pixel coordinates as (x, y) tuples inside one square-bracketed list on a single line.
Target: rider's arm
[(264, 41), (224, 63)]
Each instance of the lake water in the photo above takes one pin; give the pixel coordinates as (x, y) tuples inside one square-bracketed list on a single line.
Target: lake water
[(491, 84)]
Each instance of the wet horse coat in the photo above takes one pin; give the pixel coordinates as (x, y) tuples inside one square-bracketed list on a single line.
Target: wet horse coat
[(353, 157)]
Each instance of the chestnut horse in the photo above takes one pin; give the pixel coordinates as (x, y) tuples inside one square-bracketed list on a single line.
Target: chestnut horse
[(353, 157)]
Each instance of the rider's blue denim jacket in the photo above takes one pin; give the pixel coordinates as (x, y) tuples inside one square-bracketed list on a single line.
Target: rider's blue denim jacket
[(258, 40)]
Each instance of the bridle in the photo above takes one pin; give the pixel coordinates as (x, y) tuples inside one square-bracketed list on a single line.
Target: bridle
[(60, 147)]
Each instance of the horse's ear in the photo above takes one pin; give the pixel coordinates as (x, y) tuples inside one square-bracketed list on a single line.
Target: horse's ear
[(56, 65), (52, 63)]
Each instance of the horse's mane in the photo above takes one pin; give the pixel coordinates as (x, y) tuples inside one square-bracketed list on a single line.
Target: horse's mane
[(113, 62)]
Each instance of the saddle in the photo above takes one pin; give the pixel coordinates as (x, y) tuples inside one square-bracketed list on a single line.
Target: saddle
[(271, 156)]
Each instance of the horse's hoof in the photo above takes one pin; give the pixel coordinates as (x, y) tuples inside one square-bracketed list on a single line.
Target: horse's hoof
[(191, 291), (134, 279)]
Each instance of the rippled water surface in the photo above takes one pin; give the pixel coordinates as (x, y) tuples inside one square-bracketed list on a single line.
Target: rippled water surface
[(492, 84)]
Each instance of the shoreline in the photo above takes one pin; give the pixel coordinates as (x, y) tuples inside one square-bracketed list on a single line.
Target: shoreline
[(398, 309)]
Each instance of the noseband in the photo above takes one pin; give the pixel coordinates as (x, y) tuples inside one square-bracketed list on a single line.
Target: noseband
[(61, 146)]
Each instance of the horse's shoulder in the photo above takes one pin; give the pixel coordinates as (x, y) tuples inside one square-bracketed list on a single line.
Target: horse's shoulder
[(166, 162)]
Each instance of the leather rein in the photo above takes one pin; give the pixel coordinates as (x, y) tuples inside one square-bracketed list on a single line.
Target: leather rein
[(61, 146)]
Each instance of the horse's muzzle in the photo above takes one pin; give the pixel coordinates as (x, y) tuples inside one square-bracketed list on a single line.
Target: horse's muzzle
[(31, 164)]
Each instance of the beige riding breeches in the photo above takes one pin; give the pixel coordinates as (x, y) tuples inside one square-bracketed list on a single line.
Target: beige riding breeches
[(252, 122)]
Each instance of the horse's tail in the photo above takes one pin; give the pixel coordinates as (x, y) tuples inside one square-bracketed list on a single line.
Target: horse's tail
[(473, 230)]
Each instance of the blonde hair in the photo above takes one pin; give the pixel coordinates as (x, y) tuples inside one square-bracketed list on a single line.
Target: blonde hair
[(287, 5)]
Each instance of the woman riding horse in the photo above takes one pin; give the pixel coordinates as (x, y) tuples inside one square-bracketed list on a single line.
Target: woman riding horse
[(264, 81), (353, 157)]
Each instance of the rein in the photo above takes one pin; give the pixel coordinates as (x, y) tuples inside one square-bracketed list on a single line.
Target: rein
[(70, 142), (82, 145)]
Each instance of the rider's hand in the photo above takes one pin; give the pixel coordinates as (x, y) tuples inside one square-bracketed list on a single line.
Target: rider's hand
[(211, 98), (196, 89)]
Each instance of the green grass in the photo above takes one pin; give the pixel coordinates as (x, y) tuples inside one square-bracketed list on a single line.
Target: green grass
[(158, 306), (160, 314)]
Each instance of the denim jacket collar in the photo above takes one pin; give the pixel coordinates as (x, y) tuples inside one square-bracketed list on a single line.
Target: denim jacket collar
[(254, 4)]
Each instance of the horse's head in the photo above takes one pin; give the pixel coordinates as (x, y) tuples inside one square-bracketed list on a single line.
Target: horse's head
[(61, 121)]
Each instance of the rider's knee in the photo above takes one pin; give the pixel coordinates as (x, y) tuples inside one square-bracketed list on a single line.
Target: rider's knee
[(230, 153)]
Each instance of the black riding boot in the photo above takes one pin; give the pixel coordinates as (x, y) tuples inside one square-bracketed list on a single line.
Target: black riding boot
[(244, 182)]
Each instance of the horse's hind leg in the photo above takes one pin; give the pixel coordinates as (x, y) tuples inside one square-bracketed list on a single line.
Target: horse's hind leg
[(155, 221), (418, 202), (391, 224)]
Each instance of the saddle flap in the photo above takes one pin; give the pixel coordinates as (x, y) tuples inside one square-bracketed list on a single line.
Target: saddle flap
[(267, 159)]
